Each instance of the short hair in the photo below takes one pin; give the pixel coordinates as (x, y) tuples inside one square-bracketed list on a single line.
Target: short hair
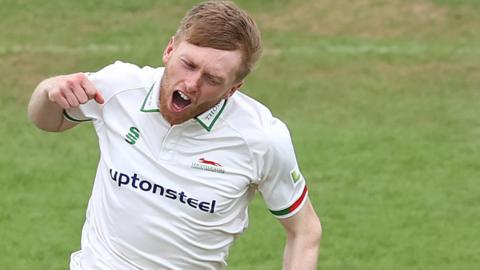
[(222, 25)]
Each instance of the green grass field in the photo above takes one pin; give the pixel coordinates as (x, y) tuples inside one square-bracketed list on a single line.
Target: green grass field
[(381, 97)]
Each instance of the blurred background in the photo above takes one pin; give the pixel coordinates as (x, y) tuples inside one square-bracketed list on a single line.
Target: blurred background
[(381, 98)]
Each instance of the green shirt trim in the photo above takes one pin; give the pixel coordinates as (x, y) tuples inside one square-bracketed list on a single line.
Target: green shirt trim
[(293, 207), (66, 115), (145, 101), (209, 127)]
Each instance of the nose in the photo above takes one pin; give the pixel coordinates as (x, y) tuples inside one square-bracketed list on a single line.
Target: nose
[(193, 82)]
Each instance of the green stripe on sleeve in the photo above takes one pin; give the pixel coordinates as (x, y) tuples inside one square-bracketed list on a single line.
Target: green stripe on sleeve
[(294, 206), (69, 117), (281, 212)]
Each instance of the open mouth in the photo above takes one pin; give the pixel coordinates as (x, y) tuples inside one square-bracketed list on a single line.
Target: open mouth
[(180, 101)]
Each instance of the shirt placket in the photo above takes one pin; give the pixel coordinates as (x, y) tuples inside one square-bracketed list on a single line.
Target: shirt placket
[(169, 142)]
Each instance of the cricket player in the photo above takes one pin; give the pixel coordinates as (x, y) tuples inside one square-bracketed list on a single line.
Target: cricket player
[(182, 152)]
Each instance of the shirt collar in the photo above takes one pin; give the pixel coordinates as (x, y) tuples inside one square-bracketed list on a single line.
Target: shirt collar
[(150, 104), (207, 119)]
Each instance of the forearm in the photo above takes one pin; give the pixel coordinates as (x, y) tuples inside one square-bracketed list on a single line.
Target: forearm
[(301, 252), (45, 114)]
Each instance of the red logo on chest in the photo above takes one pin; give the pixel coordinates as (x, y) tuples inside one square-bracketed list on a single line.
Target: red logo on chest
[(209, 162)]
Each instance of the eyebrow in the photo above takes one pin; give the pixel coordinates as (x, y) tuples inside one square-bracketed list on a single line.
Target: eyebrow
[(216, 77)]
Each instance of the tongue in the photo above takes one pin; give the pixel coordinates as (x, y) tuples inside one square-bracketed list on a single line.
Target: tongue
[(178, 102)]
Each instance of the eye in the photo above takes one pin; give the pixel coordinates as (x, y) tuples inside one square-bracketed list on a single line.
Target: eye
[(211, 80), (188, 65)]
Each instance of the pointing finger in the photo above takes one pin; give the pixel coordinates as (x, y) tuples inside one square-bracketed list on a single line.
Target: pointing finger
[(90, 89), (99, 98)]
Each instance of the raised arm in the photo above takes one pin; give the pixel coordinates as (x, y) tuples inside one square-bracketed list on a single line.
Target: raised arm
[(55, 94), (303, 239)]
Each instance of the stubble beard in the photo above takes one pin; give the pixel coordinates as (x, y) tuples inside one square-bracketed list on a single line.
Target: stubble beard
[(166, 91), (163, 99)]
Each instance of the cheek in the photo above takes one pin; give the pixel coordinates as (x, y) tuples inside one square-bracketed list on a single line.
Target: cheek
[(213, 95), (174, 71)]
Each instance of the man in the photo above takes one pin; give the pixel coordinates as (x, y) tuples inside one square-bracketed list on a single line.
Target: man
[(182, 152)]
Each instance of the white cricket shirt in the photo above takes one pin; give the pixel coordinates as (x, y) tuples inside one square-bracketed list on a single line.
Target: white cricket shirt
[(175, 197)]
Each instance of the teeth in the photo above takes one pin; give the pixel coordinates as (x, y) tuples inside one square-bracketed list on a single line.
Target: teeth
[(184, 96)]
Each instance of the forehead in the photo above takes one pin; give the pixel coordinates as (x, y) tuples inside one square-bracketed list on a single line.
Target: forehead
[(220, 62)]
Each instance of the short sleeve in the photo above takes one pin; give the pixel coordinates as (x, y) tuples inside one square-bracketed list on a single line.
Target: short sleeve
[(282, 185)]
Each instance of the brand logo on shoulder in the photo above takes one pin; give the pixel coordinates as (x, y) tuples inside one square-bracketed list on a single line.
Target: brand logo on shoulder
[(208, 165), (295, 175), (133, 135)]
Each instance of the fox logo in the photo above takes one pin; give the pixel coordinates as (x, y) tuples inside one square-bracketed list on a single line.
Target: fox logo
[(208, 165), (208, 162)]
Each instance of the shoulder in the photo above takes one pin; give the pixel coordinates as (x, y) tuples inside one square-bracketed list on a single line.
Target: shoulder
[(256, 124), (266, 137), (121, 76)]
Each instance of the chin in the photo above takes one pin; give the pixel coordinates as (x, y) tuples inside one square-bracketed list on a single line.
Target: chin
[(175, 119)]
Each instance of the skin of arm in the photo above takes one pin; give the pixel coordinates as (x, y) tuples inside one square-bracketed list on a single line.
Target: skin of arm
[(56, 94), (303, 239)]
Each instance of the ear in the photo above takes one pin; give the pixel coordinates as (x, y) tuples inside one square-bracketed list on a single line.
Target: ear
[(167, 53), (232, 90)]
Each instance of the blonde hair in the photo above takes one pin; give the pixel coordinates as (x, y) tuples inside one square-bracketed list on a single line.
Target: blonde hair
[(222, 25)]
